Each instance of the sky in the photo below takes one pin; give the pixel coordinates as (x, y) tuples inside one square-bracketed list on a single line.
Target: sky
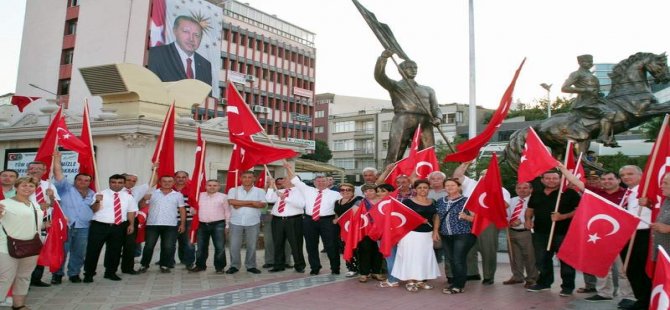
[(550, 34)]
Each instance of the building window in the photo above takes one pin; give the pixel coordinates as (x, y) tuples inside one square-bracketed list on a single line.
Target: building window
[(343, 145), (385, 145), (73, 3), (318, 129), (454, 118), (364, 163), (346, 163), (71, 27), (386, 126), (64, 87), (68, 55), (319, 114), (347, 126)]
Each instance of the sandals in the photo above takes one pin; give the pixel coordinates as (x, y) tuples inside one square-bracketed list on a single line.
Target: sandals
[(386, 283), (411, 287), (363, 278), (378, 277), (452, 290), (424, 285)]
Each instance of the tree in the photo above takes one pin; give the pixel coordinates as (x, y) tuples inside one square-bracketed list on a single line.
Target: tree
[(652, 127), (322, 153)]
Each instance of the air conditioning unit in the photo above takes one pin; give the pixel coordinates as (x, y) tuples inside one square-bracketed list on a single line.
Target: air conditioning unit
[(249, 78), (261, 109)]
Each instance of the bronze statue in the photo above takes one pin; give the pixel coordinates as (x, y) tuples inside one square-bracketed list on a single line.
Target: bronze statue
[(630, 99), (413, 104), (590, 104)]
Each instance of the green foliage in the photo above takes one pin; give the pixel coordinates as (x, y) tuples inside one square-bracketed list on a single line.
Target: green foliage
[(614, 162), (652, 127), (539, 111), (322, 152)]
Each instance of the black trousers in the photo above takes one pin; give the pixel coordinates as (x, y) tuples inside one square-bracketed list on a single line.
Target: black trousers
[(288, 229), (638, 278), (325, 229), (369, 258), (109, 235), (544, 262), (128, 251)]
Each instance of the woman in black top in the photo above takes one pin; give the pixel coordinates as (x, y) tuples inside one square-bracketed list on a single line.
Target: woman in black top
[(348, 200)]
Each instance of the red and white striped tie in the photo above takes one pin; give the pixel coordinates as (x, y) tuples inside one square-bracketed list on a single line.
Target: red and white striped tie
[(517, 211), (282, 201), (117, 209), (624, 202), (39, 195), (316, 210)]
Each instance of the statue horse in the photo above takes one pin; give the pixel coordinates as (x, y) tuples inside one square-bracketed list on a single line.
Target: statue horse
[(630, 96)]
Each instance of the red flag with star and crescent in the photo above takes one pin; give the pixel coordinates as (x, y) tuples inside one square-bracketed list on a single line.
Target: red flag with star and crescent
[(68, 140), (392, 220), (661, 283), (575, 167), (47, 146), (198, 186), (157, 26), (353, 225), (241, 121), (535, 158), (487, 201), (424, 163), (52, 254), (598, 232)]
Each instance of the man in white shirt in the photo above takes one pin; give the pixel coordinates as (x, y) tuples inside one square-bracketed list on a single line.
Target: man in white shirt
[(245, 219), (318, 220), (369, 177), (436, 180), (130, 248), (164, 205), (521, 240), (289, 206), (113, 217)]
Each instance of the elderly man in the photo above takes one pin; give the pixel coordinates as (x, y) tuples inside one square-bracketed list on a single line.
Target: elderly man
[(436, 179), (164, 204), (245, 220), (287, 211), (369, 177), (113, 217), (76, 201), (213, 214), (521, 239), (318, 220)]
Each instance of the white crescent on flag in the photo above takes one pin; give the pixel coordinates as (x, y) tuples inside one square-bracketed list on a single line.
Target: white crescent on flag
[(381, 205), (346, 225), (420, 164), (605, 217), (366, 221), (402, 218), (663, 300), (481, 200)]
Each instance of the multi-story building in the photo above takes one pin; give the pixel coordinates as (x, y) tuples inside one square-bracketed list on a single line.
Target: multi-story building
[(331, 104)]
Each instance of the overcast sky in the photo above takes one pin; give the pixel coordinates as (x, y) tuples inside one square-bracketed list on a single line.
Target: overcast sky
[(435, 34)]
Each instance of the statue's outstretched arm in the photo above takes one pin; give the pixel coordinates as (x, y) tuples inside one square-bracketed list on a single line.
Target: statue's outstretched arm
[(380, 72)]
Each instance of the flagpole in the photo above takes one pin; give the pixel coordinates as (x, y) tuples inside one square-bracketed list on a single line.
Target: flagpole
[(558, 199), (654, 154), (90, 142)]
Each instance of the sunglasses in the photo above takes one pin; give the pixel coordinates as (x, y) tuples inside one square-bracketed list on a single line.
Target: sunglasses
[(346, 190)]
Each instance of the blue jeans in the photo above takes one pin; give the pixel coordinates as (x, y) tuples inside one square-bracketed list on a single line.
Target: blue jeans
[(75, 246), (168, 235), (215, 231), (456, 248), (389, 265), (186, 250)]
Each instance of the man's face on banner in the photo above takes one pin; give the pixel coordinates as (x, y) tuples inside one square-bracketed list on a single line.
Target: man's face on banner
[(188, 36)]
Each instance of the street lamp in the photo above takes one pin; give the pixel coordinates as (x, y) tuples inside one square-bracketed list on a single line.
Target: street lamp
[(547, 87)]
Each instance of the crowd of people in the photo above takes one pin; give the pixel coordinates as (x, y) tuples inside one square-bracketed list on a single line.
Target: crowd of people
[(298, 213)]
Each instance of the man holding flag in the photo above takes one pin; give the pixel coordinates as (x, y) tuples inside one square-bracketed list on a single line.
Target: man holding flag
[(76, 201), (43, 196)]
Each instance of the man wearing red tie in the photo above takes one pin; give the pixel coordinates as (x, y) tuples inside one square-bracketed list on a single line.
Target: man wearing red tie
[(113, 217), (318, 220), (289, 206), (523, 255)]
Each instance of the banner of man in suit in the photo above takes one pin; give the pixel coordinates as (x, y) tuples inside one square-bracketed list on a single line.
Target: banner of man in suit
[(186, 41)]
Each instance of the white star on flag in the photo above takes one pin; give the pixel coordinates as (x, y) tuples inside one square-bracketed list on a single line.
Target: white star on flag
[(66, 136), (593, 238)]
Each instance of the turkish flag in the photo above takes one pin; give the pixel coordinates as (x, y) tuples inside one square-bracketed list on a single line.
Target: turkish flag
[(469, 149), (416, 141), (259, 154), (47, 147), (597, 234), (157, 26), (260, 182), (392, 220), (53, 251), (164, 151), (141, 224), (86, 164), (575, 167), (241, 122), (487, 201), (234, 172), (423, 163), (69, 141), (353, 225), (199, 186), (661, 282), (535, 158), (22, 102)]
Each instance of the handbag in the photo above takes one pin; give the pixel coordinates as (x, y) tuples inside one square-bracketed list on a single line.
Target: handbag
[(24, 248)]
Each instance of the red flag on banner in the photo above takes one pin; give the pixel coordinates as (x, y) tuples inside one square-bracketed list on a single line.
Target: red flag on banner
[(157, 27), (52, 254), (598, 232), (198, 186), (392, 220), (425, 162), (241, 122), (141, 218), (255, 153), (661, 282), (22, 102), (469, 150), (487, 201), (535, 158), (86, 164), (164, 151), (575, 167), (47, 147)]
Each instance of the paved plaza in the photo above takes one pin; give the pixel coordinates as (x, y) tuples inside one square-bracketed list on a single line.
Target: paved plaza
[(289, 290)]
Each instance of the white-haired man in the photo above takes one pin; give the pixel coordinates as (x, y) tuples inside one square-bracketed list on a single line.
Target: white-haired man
[(369, 177)]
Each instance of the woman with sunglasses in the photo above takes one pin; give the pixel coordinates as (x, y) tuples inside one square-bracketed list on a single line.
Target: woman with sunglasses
[(415, 260), (369, 258), (347, 202), (455, 228)]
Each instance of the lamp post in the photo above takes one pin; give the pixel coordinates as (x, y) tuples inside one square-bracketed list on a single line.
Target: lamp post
[(547, 87)]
